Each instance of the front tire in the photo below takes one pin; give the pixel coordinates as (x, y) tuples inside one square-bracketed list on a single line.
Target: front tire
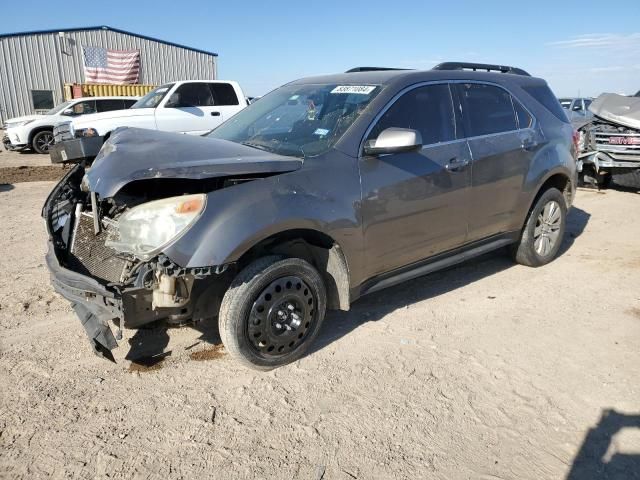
[(42, 141), (544, 230), (272, 312)]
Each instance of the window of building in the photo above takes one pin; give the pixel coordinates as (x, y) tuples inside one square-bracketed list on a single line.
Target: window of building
[(42, 99)]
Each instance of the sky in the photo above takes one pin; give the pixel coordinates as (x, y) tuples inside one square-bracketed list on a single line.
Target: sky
[(579, 47)]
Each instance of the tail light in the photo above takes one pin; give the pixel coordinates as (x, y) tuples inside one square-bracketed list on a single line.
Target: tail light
[(578, 139)]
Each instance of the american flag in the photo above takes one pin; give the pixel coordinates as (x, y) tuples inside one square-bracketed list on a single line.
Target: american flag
[(103, 65)]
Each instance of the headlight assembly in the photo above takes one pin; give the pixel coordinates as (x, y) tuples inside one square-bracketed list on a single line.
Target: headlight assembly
[(18, 124), (147, 229)]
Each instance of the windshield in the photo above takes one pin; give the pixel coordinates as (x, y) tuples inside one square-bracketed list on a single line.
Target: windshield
[(153, 98), (298, 120), (59, 108)]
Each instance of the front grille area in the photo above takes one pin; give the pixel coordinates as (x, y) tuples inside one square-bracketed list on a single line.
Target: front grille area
[(90, 256), (619, 142)]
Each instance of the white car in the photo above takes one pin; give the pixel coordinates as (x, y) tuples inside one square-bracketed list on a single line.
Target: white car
[(194, 107), (36, 131)]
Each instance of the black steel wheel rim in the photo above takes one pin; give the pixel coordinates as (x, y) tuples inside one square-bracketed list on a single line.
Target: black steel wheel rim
[(281, 317)]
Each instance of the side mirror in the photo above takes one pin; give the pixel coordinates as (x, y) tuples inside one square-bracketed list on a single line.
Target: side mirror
[(68, 111), (394, 140)]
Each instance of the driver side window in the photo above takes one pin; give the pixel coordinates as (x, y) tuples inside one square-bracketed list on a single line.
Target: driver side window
[(427, 109)]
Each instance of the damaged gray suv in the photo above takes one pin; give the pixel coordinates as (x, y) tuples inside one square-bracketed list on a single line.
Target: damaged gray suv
[(326, 189)]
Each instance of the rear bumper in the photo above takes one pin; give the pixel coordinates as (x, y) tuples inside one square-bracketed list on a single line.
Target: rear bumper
[(93, 303), (76, 150)]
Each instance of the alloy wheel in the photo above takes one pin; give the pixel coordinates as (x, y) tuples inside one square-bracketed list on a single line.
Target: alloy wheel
[(547, 230)]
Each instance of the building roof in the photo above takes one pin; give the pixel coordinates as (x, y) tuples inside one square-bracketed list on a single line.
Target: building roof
[(104, 27)]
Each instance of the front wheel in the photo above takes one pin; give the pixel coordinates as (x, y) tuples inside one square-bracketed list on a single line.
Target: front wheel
[(272, 312), (42, 141), (544, 230)]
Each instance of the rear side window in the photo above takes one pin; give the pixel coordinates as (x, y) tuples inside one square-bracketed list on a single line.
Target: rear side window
[(109, 105), (223, 94), (427, 109), (543, 94), (524, 118), (487, 109)]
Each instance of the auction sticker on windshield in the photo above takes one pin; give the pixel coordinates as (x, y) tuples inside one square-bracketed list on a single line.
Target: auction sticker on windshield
[(361, 89)]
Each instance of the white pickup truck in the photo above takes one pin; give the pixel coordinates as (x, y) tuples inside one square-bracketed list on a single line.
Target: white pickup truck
[(193, 107)]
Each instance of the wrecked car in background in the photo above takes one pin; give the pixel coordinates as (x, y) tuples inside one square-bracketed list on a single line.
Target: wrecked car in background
[(324, 190), (610, 143)]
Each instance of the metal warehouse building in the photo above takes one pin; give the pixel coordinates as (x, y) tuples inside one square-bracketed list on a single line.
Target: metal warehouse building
[(35, 66)]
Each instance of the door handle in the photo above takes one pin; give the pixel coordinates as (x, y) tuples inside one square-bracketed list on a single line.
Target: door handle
[(215, 114), (456, 164)]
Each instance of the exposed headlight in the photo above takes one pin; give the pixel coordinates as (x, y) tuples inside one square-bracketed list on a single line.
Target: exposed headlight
[(147, 229)]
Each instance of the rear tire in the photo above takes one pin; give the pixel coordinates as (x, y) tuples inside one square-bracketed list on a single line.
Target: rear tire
[(272, 312), (42, 141), (543, 231)]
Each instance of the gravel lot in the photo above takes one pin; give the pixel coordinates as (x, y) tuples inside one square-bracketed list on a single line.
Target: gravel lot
[(488, 370)]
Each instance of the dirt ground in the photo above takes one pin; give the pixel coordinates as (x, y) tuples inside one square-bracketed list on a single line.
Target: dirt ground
[(485, 371)]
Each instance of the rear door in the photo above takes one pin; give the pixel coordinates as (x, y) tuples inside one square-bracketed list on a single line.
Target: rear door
[(225, 101), (415, 204), (501, 153)]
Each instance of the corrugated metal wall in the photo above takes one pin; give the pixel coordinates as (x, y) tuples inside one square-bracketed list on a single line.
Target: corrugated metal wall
[(46, 61)]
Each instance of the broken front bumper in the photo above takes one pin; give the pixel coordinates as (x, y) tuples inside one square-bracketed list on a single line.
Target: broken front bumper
[(602, 160), (93, 303)]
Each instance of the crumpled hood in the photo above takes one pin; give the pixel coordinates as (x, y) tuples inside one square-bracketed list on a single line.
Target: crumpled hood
[(136, 154), (618, 109)]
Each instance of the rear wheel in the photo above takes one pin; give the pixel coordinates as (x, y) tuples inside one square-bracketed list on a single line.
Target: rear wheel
[(544, 230), (272, 312), (42, 141)]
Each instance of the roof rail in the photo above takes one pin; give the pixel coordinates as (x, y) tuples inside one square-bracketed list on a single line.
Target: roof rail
[(372, 69), (480, 66)]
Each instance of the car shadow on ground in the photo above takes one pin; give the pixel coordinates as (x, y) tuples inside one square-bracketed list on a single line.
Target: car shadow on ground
[(376, 306), (6, 187), (148, 346), (602, 454)]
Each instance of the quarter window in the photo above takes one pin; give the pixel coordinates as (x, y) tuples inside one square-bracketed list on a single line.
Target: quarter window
[(486, 109), (428, 109), (524, 119)]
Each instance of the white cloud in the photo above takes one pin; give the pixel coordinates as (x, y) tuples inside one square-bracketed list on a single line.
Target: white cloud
[(600, 41)]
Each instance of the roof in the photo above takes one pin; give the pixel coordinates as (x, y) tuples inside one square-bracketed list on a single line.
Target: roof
[(408, 77), (104, 27)]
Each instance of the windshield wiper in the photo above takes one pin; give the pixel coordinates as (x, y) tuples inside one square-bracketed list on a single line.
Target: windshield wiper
[(259, 146)]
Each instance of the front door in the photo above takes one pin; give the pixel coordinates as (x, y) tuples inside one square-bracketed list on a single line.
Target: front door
[(414, 204), (190, 108)]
